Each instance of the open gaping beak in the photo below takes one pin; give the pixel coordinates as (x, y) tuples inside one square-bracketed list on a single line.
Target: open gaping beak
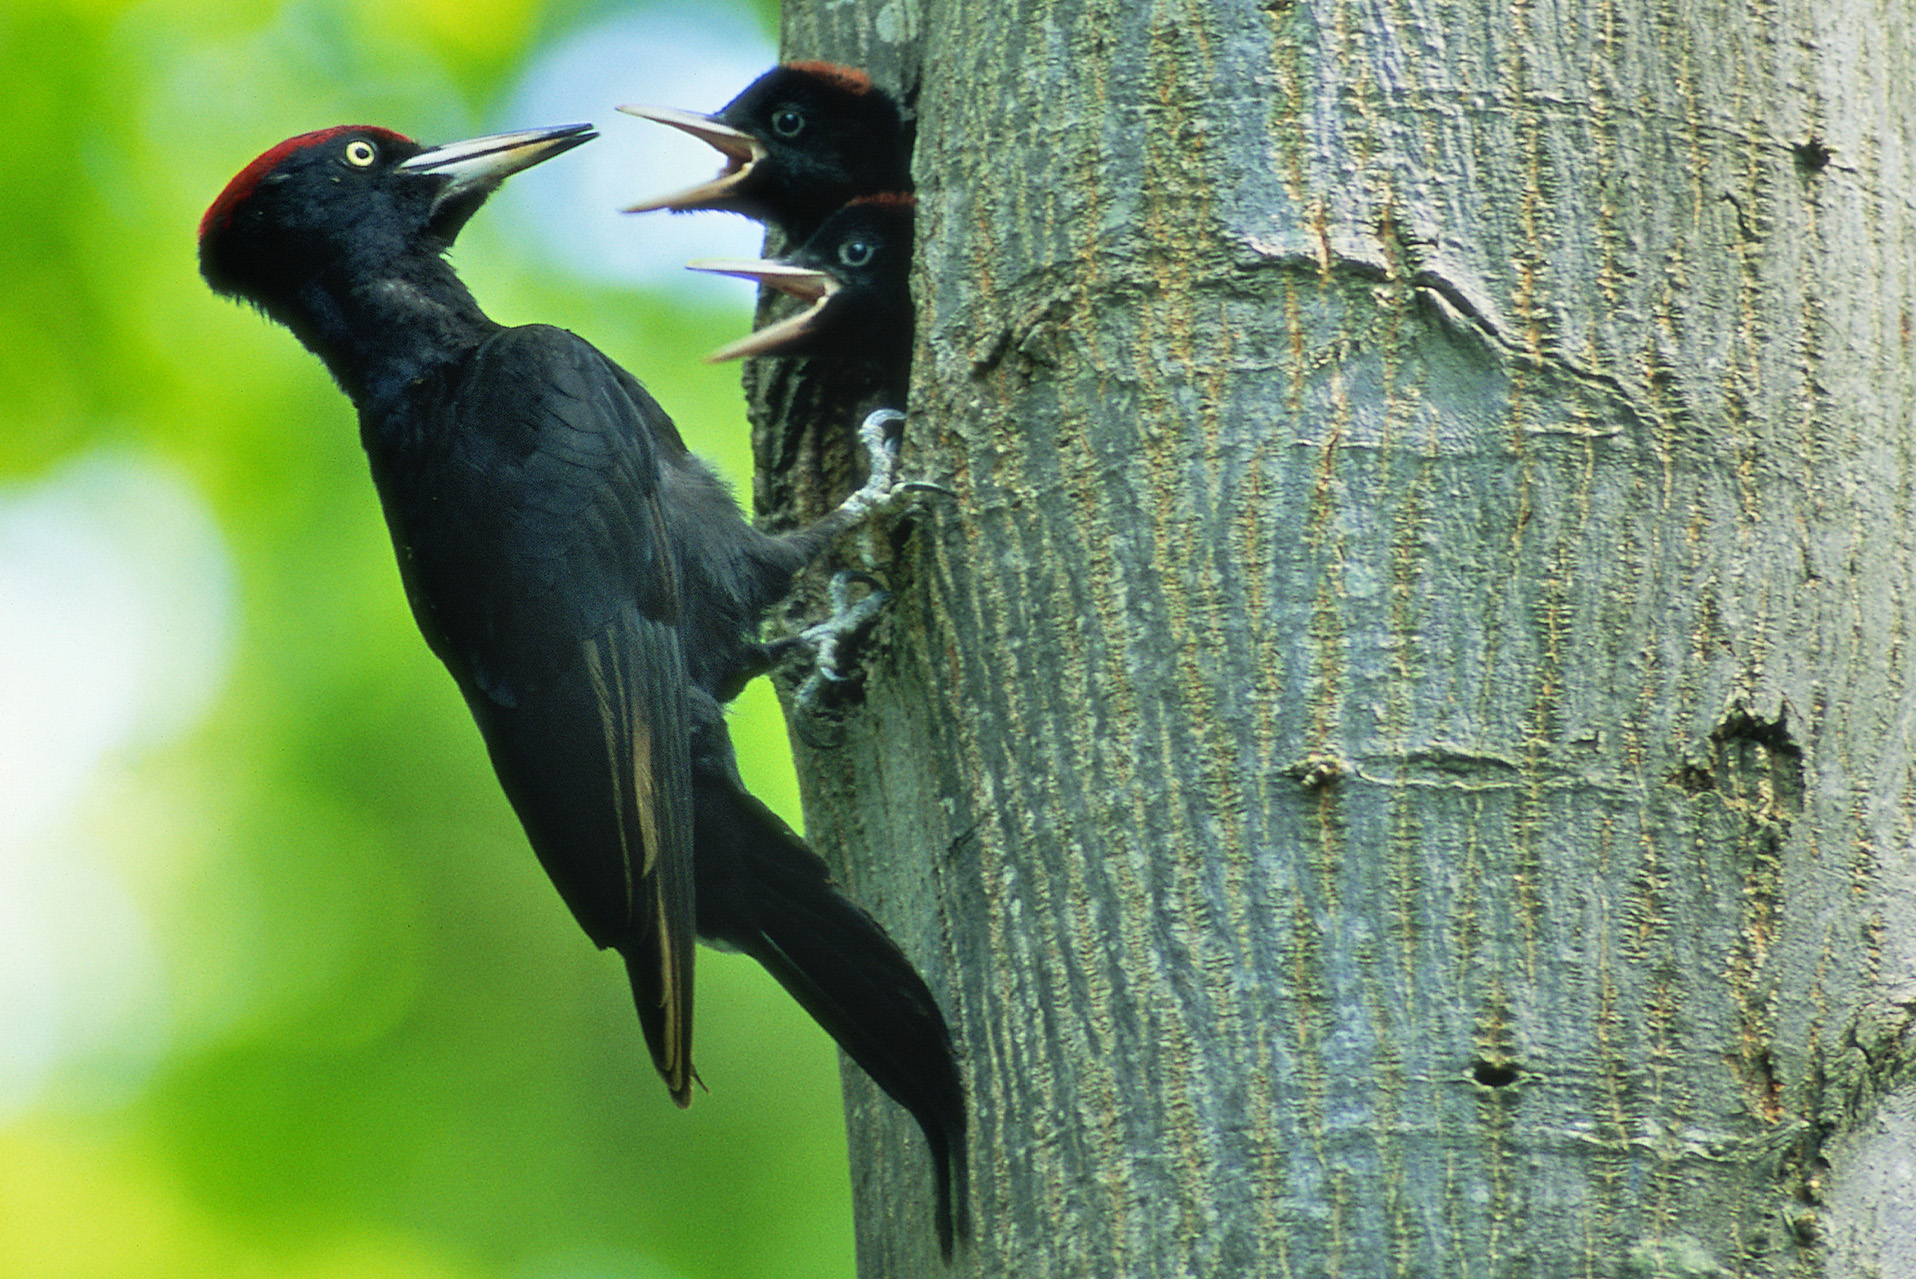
[(805, 284), (741, 151)]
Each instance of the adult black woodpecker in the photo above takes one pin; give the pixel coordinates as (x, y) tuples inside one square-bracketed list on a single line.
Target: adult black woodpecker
[(799, 142), (592, 588), (855, 275)]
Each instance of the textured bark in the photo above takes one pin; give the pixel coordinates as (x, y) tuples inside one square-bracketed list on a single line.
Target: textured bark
[(1399, 757)]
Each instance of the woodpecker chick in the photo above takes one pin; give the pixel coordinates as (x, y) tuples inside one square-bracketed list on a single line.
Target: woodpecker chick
[(855, 273), (799, 142)]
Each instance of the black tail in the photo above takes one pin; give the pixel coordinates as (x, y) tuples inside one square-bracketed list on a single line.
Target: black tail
[(762, 890)]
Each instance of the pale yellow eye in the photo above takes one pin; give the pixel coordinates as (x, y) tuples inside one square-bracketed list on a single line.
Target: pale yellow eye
[(360, 153)]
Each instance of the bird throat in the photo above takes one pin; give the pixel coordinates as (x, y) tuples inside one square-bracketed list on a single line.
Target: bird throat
[(380, 334)]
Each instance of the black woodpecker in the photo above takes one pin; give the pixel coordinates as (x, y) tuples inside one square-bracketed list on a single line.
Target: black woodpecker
[(592, 588)]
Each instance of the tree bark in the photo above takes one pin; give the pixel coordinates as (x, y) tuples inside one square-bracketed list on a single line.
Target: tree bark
[(1398, 758)]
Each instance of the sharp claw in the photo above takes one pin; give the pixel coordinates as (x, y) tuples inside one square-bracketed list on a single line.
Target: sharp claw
[(847, 620), (884, 491)]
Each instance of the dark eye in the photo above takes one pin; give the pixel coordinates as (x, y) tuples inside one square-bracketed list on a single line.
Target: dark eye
[(856, 252), (788, 122), (360, 153)]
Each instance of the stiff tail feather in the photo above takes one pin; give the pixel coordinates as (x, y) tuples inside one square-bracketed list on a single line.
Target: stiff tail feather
[(762, 890)]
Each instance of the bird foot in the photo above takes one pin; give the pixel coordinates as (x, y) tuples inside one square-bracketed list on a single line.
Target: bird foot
[(848, 619), (879, 433), (883, 492)]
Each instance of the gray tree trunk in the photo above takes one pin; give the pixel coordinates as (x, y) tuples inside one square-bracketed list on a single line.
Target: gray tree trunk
[(1399, 757)]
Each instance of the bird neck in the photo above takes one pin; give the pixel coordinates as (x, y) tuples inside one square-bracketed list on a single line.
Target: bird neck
[(379, 332)]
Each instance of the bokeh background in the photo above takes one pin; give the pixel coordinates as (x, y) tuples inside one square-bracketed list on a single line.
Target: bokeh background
[(282, 991)]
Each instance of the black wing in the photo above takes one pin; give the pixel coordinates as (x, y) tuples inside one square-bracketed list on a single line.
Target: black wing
[(541, 570)]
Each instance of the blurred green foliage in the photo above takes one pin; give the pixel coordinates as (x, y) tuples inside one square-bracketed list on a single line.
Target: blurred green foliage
[(384, 1048)]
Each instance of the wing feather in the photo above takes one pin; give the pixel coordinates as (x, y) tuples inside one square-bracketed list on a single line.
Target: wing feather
[(555, 603)]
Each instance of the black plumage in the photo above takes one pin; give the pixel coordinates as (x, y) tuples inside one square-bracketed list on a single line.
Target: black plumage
[(855, 274), (591, 587), (800, 141)]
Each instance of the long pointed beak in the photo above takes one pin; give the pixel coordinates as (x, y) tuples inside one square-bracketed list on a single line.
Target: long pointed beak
[(741, 151), (807, 285), (480, 164)]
